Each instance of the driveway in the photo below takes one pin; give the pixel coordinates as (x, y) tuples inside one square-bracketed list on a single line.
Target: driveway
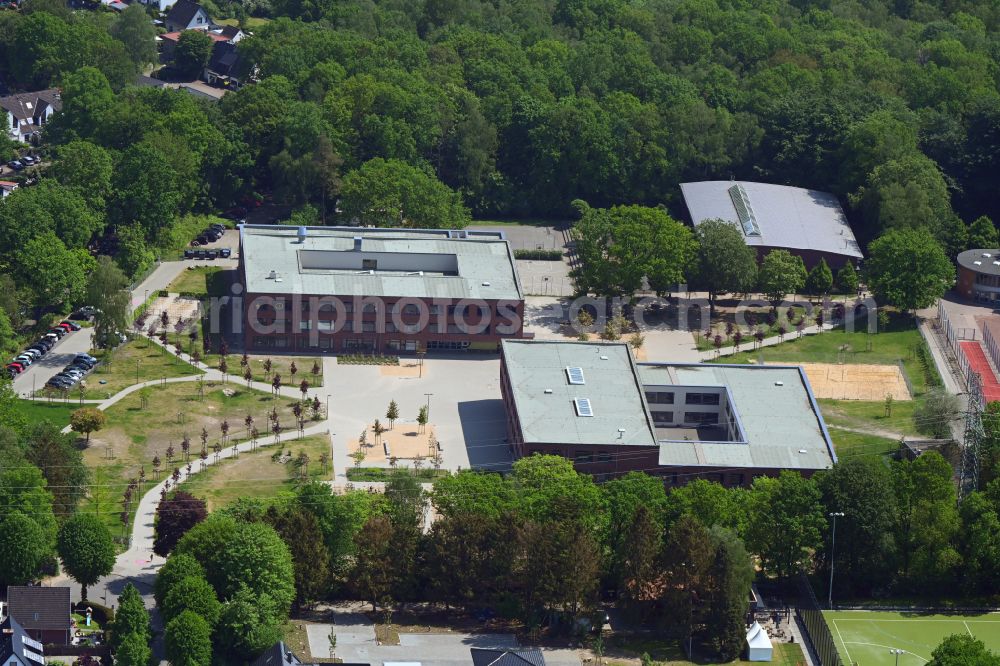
[(59, 356)]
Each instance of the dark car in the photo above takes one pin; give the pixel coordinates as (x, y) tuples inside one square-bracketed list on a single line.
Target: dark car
[(201, 254), (87, 312), (218, 227), (15, 165), (212, 254), (225, 253), (189, 254), (204, 239), (28, 160), (58, 332)]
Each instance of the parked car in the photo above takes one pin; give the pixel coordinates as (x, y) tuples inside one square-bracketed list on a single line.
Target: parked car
[(18, 368), (86, 313), (218, 227), (189, 254), (201, 254), (58, 332), (212, 254), (24, 360), (73, 326), (28, 160), (66, 326), (15, 165), (225, 252)]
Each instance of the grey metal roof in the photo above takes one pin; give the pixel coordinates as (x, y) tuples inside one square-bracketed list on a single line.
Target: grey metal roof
[(484, 261), (989, 261), (544, 398), (775, 405), (15, 642), (786, 217), (507, 657)]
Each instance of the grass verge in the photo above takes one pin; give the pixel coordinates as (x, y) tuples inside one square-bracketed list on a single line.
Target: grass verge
[(201, 281), (267, 473), (38, 410), (849, 444), (131, 363), (134, 434)]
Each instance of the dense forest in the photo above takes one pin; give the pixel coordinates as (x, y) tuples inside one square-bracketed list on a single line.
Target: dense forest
[(430, 112)]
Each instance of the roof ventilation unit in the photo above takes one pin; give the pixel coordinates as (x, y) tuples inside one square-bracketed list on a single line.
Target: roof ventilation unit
[(357, 243), (548, 391), (302, 234), (272, 275)]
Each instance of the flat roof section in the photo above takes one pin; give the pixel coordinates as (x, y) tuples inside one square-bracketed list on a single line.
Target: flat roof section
[(774, 215), (549, 380), (775, 405), (398, 263), (985, 262)]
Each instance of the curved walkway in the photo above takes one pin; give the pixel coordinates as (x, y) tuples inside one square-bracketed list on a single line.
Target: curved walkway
[(138, 564)]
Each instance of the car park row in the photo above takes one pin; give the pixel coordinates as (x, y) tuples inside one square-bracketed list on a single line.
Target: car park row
[(74, 371), (210, 235), (40, 348), (221, 253)]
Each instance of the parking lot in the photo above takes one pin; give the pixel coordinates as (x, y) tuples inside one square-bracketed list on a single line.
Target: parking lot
[(35, 377)]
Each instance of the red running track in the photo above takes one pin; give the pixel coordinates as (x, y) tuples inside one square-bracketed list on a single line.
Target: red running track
[(978, 362)]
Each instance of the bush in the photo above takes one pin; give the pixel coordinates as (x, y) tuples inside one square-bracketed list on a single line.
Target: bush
[(539, 255), (367, 359)]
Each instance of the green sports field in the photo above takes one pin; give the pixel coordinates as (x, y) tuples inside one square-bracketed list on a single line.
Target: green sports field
[(865, 637)]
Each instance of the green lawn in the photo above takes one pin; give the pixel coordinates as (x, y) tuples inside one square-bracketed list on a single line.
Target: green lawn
[(120, 368), (251, 22), (861, 414), (202, 281), (279, 364), (256, 474), (40, 410), (850, 444), (865, 637), (134, 435), (900, 341), (669, 653)]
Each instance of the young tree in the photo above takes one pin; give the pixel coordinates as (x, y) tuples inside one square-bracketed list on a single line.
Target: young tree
[(890, 272), (134, 29), (935, 416), (786, 522), (174, 517), (131, 618), (133, 650), (374, 576), (820, 279), (87, 550), (21, 558), (422, 417), (192, 594), (638, 559), (392, 413), (781, 273), (982, 234), (962, 650), (107, 292), (729, 577), (87, 420), (847, 279), (194, 47), (188, 640), (725, 263), (300, 531)]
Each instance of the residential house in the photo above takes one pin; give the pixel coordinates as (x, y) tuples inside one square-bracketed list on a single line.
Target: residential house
[(187, 15), (16, 647), (7, 188), (225, 67), (507, 657), (168, 42), (161, 5), (27, 113), (43, 612), (232, 33)]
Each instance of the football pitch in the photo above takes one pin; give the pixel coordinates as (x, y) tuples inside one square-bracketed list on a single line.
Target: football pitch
[(866, 637)]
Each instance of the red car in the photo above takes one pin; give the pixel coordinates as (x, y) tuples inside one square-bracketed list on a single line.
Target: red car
[(15, 367)]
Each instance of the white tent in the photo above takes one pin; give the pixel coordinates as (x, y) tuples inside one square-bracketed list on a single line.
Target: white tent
[(758, 644)]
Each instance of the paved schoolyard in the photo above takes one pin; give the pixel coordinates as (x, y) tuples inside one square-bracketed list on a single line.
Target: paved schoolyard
[(465, 407), (356, 644)]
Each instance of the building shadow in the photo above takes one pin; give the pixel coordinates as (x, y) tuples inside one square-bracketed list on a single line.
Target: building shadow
[(485, 435)]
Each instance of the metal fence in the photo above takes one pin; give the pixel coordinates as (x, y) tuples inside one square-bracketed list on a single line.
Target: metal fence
[(820, 637)]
